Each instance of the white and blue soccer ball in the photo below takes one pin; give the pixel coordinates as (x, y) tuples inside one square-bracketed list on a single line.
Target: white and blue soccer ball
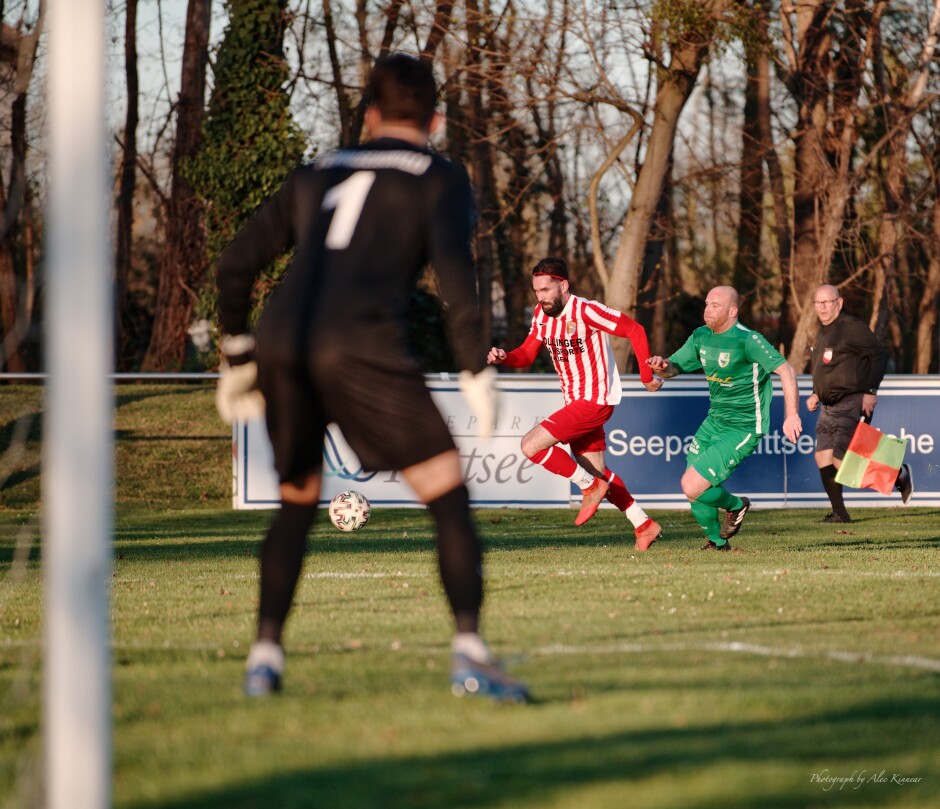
[(350, 510)]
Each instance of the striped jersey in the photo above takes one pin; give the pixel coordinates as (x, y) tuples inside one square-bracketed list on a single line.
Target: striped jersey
[(737, 364), (578, 342)]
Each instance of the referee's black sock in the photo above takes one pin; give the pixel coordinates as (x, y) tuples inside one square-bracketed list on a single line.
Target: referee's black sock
[(460, 556), (833, 489), (282, 556)]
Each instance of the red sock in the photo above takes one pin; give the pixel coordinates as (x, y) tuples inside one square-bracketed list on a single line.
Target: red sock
[(556, 460), (617, 493)]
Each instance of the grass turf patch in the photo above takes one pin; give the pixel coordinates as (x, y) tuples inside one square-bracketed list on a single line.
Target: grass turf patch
[(803, 669), (666, 678)]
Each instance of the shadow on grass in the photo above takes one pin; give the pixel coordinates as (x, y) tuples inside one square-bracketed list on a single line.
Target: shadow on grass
[(132, 394), (716, 757), (397, 530), (142, 534), (19, 477), (146, 536), (876, 544), (24, 426), (132, 436)]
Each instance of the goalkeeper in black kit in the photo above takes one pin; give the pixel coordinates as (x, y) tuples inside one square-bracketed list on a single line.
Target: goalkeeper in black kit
[(331, 347)]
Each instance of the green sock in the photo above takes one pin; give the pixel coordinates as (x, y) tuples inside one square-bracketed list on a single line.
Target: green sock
[(719, 497), (707, 516)]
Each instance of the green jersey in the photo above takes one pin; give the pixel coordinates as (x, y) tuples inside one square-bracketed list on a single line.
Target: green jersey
[(737, 364)]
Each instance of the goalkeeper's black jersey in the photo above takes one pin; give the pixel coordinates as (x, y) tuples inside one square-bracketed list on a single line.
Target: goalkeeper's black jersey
[(363, 223)]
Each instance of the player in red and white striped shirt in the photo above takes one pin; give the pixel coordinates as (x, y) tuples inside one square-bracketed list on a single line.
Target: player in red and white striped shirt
[(575, 331)]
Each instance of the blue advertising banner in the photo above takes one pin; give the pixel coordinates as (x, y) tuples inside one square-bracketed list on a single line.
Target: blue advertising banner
[(647, 439), (650, 432)]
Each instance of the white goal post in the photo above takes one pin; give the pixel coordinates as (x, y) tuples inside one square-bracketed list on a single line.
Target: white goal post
[(77, 433)]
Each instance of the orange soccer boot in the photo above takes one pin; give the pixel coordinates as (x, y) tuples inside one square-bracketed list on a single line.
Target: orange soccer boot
[(591, 498), (647, 534)]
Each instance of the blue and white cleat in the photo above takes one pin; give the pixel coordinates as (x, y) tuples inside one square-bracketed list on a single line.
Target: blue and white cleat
[(262, 681), (470, 678), (264, 668)]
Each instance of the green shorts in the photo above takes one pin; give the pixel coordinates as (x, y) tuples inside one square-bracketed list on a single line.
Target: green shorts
[(717, 451)]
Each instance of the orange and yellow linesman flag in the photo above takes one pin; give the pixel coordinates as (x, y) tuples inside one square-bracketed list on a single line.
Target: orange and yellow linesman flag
[(872, 460)]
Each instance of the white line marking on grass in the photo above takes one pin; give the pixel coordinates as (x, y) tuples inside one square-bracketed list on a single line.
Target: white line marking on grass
[(398, 574), (905, 661), (316, 574), (897, 574), (902, 661)]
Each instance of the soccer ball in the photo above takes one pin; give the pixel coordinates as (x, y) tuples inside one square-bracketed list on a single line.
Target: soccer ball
[(349, 511)]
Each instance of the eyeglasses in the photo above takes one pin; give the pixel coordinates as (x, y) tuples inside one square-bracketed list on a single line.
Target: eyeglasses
[(825, 303)]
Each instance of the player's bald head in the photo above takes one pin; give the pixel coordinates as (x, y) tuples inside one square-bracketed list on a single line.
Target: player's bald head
[(827, 292), (726, 294)]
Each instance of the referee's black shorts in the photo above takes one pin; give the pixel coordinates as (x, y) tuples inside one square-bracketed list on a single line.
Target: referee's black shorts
[(380, 403), (837, 424)]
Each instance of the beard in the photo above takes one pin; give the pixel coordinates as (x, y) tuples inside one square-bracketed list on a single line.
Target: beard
[(552, 308)]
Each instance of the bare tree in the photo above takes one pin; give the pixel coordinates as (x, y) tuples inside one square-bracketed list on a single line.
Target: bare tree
[(567, 114), (688, 48), (825, 81), (927, 308), (127, 180), (899, 106), (17, 290), (747, 273), (439, 28), (781, 227), (184, 261)]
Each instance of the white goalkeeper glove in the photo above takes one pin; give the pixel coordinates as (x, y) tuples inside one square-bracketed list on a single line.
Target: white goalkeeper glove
[(483, 398), (237, 397)]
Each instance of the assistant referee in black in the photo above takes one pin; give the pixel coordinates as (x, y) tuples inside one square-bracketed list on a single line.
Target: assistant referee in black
[(848, 365)]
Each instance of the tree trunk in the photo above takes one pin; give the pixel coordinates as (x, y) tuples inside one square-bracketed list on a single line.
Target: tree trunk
[(900, 115), (127, 183), (11, 326), (927, 310), (778, 189), (811, 84), (678, 81), (439, 28), (184, 260), (15, 295), (624, 271), (339, 87), (826, 84), (482, 164), (654, 256), (747, 276)]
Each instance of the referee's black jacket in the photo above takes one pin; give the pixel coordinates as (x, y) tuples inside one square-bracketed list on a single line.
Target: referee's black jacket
[(847, 358)]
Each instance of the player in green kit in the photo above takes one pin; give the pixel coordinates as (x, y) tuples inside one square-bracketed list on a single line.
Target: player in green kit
[(737, 363)]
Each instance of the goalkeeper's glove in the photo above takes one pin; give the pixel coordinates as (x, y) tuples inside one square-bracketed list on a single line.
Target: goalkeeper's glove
[(237, 397), (483, 398)]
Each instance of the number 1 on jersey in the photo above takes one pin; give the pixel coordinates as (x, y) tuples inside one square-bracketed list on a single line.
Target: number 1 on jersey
[(347, 198)]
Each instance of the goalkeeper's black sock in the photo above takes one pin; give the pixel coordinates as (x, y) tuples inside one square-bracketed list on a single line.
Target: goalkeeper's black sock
[(282, 556), (460, 556), (833, 490)]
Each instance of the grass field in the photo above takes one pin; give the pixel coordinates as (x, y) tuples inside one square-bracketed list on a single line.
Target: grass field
[(800, 671)]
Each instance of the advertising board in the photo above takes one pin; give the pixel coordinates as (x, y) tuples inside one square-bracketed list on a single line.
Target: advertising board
[(646, 442)]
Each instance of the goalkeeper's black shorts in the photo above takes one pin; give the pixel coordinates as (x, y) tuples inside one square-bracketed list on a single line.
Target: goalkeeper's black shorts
[(380, 403)]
